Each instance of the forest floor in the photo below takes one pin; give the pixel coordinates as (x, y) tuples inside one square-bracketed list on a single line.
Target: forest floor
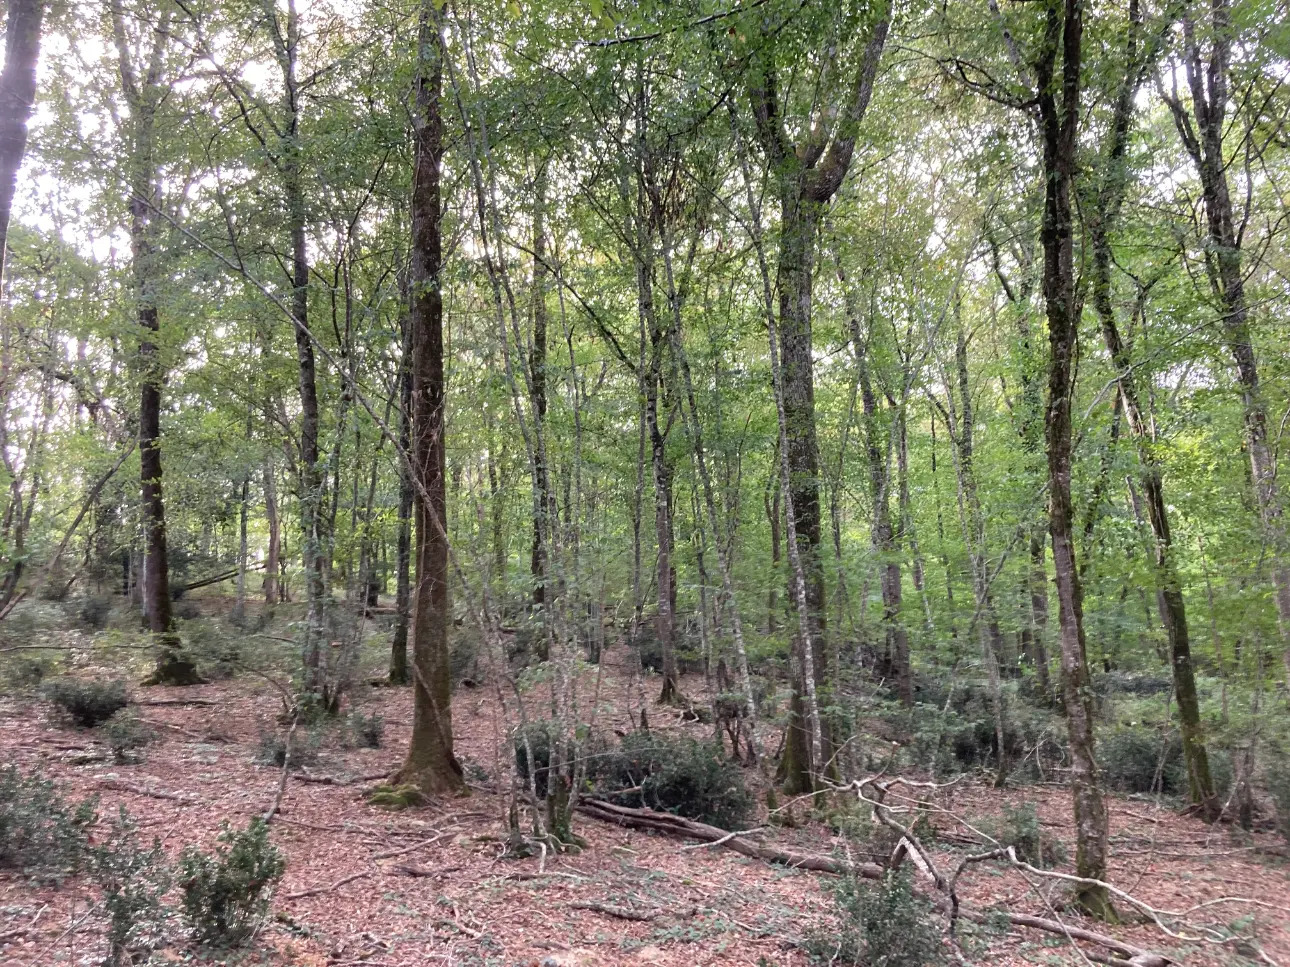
[(367, 886)]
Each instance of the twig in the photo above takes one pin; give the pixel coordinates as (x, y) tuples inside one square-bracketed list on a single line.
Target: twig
[(315, 890), (286, 767), (120, 785), (627, 913), (409, 849)]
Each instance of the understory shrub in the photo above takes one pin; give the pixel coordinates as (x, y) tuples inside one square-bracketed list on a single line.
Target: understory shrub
[(132, 881), (1140, 759), (1279, 788), (226, 893), (540, 736), (675, 774), (689, 656), (125, 734), (41, 834), (1020, 829), (86, 703), (365, 731), (217, 653), (272, 749), (92, 612), (882, 924), (24, 673)]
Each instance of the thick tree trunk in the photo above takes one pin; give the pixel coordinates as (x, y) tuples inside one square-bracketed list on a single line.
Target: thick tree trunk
[(1059, 120), (430, 764), (17, 94)]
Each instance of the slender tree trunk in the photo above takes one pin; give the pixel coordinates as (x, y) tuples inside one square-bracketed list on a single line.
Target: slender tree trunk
[(773, 516), (430, 763), (238, 616), (399, 674), (543, 500), (143, 95), (1059, 123), (17, 94), (1208, 81), (272, 592)]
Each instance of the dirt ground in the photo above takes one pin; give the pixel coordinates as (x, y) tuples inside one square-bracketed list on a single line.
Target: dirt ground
[(367, 886)]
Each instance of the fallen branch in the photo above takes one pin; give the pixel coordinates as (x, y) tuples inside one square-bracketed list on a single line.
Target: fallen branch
[(120, 785), (410, 849), (316, 890), (667, 824), (421, 872), (628, 913), (286, 768)]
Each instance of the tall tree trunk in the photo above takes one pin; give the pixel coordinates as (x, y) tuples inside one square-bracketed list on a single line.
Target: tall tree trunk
[(312, 518), (143, 96), (238, 616), (399, 674), (272, 593), (17, 94), (1173, 611), (1059, 119), (806, 177), (430, 764), (543, 500), (1208, 81)]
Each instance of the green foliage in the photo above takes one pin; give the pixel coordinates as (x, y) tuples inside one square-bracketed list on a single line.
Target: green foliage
[(41, 834), (272, 750), (217, 653), (25, 673), (125, 734), (92, 612), (396, 797), (676, 774), (1019, 828), (1278, 779), (1140, 759), (86, 703), (226, 893), (883, 924), (132, 882), (365, 731)]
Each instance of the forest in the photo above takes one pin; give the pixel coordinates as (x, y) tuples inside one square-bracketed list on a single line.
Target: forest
[(725, 482)]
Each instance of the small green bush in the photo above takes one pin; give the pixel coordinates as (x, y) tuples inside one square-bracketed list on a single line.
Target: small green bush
[(674, 774), (92, 612), (1140, 759), (1020, 829), (365, 731), (86, 703), (539, 737), (132, 881), (882, 924), (41, 834), (24, 674), (225, 894), (125, 734), (271, 750), (1279, 789)]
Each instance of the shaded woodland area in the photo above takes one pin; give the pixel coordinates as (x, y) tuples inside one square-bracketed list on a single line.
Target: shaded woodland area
[(769, 483)]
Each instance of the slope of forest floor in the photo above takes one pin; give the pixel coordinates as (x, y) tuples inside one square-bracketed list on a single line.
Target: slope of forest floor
[(365, 885)]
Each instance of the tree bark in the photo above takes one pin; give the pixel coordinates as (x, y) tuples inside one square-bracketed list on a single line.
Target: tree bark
[(17, 94), (272, 592), (806, 177), (143, 95), (1173, 611), (1059, 119), (543, 500), (430, 764), (399, 674)]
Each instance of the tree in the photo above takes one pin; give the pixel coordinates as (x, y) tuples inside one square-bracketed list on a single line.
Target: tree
[(17, 94), (430, 764), (144, 94), (1059, 114), (805, 176)]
